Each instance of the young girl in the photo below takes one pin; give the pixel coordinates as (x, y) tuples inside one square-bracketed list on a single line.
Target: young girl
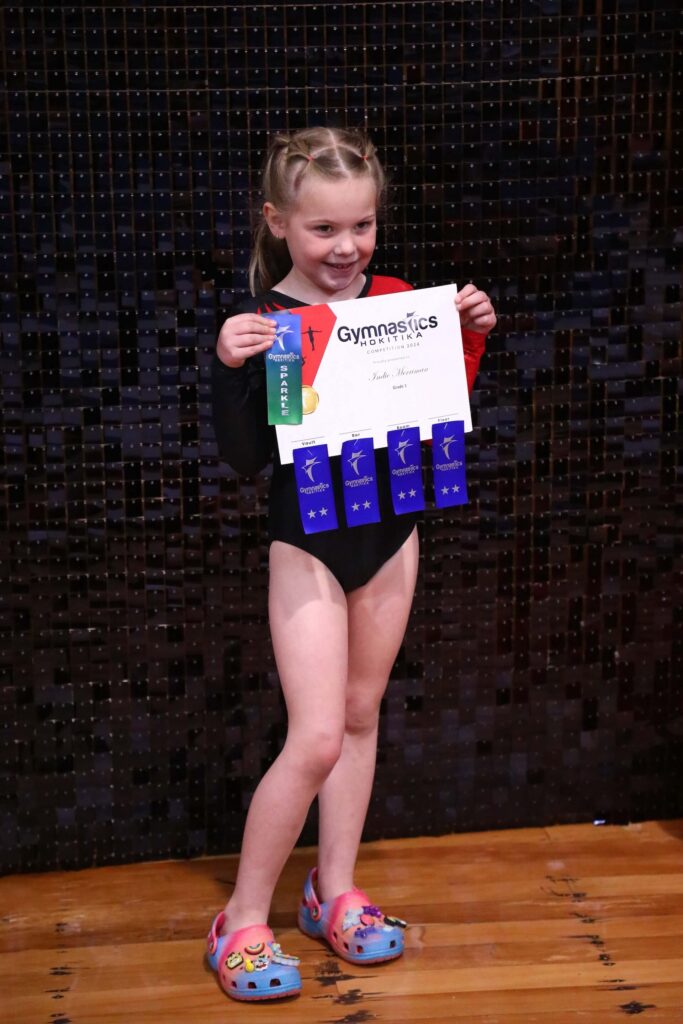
[(339, 600)]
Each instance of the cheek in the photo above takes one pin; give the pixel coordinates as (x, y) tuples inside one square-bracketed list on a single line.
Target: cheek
[(313, 246), (368, 247)]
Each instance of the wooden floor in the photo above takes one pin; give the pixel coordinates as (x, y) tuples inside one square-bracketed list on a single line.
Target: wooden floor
[(537, 926)]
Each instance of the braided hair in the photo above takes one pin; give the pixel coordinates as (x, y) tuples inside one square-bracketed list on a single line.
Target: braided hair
[(328, 153)]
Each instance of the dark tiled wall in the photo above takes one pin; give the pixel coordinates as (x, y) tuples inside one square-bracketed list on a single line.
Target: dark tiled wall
[(535, 147)]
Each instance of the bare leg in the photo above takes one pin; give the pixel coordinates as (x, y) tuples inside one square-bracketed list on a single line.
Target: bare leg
[(378, 615), (309, 629)]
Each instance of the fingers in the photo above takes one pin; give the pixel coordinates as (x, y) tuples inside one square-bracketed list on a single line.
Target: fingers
[(475, 309), (478, 312), (469, 298), (243, 336)]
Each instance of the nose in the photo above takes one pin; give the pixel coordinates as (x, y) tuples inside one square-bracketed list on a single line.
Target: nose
[(344, 244)]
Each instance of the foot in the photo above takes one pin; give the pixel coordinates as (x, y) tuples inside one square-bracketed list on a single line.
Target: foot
[(250, 964), (352, 926)]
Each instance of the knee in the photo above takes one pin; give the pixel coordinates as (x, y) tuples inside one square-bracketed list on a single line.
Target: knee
[(362, 711), (317, 751)]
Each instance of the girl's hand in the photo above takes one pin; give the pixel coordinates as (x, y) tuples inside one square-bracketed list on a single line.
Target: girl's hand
[(475, 309), (243, 336)]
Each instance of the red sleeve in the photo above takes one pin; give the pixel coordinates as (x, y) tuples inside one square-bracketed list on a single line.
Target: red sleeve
[(473, 344)]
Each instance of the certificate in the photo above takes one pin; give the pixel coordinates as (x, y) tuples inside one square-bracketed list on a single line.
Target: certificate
[(376, 364)]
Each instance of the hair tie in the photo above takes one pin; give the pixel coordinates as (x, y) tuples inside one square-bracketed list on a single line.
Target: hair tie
[(365, 156), (309, 157)]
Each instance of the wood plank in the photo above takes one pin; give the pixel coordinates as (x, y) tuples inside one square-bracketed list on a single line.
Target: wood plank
[(661, 831), (501, 977), (448, 934)]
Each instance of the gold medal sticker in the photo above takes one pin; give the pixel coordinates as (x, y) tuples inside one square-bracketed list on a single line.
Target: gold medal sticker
[(309, 399)]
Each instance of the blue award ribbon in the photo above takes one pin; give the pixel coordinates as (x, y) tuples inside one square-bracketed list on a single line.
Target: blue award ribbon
[(314, 488), (283, 370), (405, 469), (448, 456), (360, 482)]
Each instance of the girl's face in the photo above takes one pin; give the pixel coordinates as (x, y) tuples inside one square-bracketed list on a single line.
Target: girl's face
[(331, 234)]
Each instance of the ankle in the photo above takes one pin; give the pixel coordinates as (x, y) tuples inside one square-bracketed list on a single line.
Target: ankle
[(329, 887), (238, 916)]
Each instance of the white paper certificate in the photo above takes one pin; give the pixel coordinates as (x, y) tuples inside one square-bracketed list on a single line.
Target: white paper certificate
[(378, 363)]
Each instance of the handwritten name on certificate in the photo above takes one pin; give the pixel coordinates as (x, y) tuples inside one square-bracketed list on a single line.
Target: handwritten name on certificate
[(376, 364)]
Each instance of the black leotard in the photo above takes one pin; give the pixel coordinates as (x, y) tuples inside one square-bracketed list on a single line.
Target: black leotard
[(246, 441)]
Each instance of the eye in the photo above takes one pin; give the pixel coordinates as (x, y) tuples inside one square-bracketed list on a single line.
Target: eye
[(364, 225)]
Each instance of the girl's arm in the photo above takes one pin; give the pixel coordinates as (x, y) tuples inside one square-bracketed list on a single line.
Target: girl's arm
[(477, 318), (238, 394)]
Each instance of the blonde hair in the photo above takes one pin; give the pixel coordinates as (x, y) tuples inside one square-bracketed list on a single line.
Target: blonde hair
[(328, 153)]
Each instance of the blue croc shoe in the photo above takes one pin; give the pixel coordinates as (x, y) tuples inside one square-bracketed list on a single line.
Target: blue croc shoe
[(250, 964), (355, 929)]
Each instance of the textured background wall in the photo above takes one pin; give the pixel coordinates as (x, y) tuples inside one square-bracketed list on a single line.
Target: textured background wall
[(535, 147)]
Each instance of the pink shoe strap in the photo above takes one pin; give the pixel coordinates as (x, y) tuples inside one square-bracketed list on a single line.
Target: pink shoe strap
[(310, 897)]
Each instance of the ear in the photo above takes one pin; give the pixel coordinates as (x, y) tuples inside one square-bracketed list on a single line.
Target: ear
[(275, 220)]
